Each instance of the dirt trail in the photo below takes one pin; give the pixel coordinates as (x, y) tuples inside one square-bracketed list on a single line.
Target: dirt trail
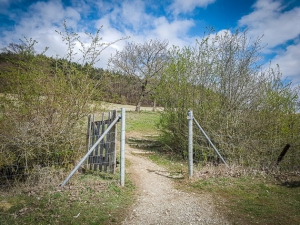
[(159, 202)]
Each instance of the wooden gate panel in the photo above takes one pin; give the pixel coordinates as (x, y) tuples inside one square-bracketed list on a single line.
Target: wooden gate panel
[(103, 158)]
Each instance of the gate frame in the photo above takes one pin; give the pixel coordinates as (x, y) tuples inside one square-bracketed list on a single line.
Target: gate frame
[(122, 149)]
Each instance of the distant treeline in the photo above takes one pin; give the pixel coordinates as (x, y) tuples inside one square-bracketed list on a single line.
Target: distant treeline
[(114, 88)]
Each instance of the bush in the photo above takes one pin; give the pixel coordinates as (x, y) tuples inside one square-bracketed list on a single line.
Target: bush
[(248, 114)]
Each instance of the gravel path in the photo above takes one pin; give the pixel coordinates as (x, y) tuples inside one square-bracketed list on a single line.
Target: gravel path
[(159, 202)]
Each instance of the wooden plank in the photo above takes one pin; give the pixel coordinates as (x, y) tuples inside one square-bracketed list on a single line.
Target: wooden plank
[(101, 143), (107, 145), (97, 136)]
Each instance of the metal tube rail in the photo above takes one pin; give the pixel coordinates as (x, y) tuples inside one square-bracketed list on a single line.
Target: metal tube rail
[(122, 149), (203, 132), (190, 142)]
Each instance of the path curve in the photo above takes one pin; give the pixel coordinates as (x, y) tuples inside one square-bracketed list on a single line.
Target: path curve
[(158, 202)]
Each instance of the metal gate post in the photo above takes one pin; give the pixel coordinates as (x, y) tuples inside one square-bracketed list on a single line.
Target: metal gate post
[(122, 149), (190, 144)]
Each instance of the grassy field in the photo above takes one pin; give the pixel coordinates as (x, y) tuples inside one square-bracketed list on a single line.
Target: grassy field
[(143, 123), (243, 197), (253, 200), (91, 198), (96, 198)]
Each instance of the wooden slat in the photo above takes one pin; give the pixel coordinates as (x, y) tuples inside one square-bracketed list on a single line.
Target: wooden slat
[(97, 135), (107, 145), (102, 143)]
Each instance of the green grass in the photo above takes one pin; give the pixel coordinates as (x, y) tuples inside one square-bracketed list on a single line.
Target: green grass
[(144, 122), (95, 198), (100, 200), (89, 200), (242, 200), (170, 162), (245, 199), (248, 200)]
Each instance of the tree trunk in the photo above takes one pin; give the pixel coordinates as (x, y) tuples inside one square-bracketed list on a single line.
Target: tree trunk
[(154, 105), (143, 92), (138, 105)]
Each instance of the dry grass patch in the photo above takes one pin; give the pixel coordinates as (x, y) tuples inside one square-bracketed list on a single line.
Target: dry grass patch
[(95, 198)]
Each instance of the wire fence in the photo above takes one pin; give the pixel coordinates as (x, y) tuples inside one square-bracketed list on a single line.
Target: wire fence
[(259, 154), (253, 150)]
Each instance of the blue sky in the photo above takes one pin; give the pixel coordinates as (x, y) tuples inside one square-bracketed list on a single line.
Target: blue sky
[(179, 21)]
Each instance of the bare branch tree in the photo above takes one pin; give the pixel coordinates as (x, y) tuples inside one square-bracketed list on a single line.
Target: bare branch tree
[(144, 61)]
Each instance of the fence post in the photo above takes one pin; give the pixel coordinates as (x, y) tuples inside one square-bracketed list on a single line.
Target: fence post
[(190, 144), (122, 149)]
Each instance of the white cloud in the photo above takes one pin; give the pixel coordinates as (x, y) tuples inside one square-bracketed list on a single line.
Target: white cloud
[(289, 63), (4, 2), (186, 6), (130, 19), (119, 20), (269, 20), (40, 22), (280, 28), (42, 18), (134, 16), (109, 34), (103, 6), (174, 31), (129, 15)]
